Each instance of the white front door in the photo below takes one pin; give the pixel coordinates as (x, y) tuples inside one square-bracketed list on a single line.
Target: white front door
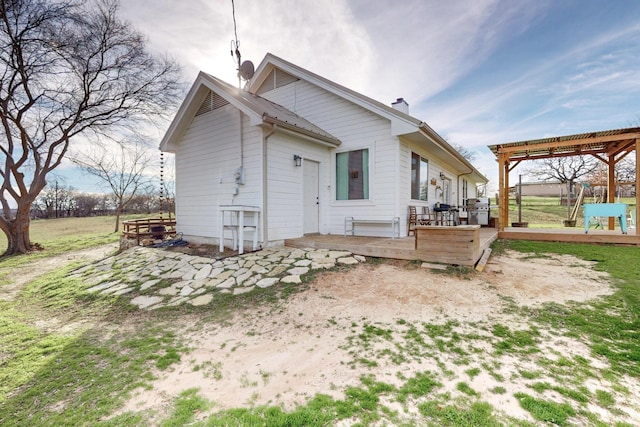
[(311, 196)]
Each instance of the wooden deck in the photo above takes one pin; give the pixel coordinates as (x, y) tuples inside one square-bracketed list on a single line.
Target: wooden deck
[(571, 235), (381, 247)]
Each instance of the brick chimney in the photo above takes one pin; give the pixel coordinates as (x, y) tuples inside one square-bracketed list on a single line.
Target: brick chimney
[(401, 105)]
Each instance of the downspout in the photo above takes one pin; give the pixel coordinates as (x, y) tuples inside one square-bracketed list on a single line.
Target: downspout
[(238, 175), (265, 184)]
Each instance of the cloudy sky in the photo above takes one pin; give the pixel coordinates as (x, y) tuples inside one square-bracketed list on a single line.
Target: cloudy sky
[(479, 72)]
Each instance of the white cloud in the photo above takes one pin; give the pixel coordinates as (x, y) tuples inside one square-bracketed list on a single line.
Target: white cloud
[(323, 37), (423, 47), (412, 49)]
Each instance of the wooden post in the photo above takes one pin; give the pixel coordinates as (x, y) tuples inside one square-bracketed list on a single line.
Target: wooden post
[(611, 185), (637, 185), (506, 192), (503, 188)]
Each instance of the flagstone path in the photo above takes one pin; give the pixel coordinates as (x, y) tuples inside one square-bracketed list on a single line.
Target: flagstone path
[(158, 278)]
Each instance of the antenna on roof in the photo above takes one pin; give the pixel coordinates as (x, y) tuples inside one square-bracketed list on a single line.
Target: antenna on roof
[(245, 69)]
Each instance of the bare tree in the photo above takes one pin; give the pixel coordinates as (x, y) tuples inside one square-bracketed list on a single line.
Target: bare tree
[(624, 175), (67, 68), (566, 170), (465, 152), (123, 170), (86, 203), (44, 204)]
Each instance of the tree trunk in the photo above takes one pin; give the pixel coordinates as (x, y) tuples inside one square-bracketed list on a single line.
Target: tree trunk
[(17, 232), (118, 212)]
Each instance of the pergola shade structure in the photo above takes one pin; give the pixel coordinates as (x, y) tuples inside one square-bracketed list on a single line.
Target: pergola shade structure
[(609, 146)]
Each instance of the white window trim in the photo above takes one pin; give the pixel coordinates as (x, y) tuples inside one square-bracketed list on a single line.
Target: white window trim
[(426, 159), (361, 202)]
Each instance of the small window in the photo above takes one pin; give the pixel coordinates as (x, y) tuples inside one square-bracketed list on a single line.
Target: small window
[(419, 177), (352, 175)]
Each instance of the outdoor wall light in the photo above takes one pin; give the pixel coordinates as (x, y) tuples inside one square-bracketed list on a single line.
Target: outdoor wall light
[(441, 175), (297, 160)]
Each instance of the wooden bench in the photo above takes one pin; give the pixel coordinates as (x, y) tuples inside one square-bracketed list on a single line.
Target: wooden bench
[(350, 225)]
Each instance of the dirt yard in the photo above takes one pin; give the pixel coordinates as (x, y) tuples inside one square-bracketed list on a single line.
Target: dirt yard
[(310, 343)]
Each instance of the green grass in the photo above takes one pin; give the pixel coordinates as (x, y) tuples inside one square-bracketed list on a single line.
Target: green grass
[(545, 410), (186, 407), (62, 235), (576, 395), (83, 377), (516, 341), (474, 372), (74, 376), (466, 389), (498, 390), (478, 414), (611, 324), (605, 399), (421, 385)]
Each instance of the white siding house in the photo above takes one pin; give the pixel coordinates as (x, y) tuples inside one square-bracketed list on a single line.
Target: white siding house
[(357, 157)]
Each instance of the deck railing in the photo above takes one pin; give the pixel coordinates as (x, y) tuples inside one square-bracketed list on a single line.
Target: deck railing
[(148, 228)]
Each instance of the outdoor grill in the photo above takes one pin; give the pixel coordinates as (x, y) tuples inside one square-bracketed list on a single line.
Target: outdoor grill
[(446, 214), (478, 211)]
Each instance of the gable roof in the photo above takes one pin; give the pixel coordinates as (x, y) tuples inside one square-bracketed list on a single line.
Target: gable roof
[(258, 109), (401, 124), (400, 121)]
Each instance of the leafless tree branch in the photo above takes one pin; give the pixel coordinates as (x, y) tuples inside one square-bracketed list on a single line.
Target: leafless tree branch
[(68, 68)]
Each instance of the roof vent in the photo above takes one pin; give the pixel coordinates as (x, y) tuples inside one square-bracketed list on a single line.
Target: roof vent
[(211, 102), (401, 105)]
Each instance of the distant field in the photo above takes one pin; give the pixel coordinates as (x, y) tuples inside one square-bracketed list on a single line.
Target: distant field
[(546, 212), (66, 234)]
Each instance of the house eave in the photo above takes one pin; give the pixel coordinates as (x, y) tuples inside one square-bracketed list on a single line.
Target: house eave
[(295, 130), (427, 132)]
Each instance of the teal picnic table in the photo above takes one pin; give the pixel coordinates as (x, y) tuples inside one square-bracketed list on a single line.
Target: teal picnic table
[(618, 210)]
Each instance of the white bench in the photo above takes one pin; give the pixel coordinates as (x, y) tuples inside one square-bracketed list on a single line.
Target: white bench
[(350, 225)]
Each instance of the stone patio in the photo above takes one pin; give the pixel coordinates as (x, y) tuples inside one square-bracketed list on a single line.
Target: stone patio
[(156, 278)]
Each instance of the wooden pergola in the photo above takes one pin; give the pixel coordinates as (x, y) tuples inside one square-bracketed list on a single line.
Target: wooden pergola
[(609, 146)]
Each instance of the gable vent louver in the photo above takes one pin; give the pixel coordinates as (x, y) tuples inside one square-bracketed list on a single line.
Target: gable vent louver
[(283, 79), (268, 83), (210, 103), (275, 79)]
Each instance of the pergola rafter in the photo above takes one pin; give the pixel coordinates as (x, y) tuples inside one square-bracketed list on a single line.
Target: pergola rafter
[(609, 146)]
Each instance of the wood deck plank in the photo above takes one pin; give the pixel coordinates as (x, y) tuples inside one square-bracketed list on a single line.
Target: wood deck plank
[(383, 247), (570, 235)]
